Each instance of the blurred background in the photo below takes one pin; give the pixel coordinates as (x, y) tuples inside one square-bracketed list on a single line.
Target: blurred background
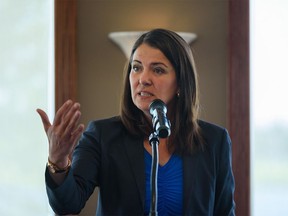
[(27, 83), (269, 107), (26, 64)]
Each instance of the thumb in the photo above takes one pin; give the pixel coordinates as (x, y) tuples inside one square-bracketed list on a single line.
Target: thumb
[(45, 119)]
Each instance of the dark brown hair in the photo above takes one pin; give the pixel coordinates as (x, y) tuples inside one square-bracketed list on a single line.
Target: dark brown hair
[(186, 135)]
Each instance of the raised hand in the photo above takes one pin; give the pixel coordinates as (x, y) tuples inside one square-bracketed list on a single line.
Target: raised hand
[(63, 133)]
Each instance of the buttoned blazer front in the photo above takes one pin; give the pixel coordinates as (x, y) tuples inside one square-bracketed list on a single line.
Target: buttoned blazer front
[(109, 157)]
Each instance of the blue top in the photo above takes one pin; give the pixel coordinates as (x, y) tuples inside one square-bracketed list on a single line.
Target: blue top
[(170, 186)]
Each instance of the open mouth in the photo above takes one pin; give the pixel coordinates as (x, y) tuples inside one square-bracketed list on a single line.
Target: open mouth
[(145, 94)]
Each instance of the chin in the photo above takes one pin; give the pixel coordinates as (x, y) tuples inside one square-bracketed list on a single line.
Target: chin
[(144, 107)]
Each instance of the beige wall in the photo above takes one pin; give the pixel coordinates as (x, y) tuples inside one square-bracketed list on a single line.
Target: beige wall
[(101, 62)]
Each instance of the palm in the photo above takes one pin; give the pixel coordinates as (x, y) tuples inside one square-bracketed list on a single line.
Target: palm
[(64, 132)]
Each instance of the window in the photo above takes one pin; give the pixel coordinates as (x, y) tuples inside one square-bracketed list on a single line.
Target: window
[(269, 107), (25, 84)]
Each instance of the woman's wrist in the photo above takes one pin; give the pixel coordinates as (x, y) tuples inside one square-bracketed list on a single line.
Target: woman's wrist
[(59, 167)]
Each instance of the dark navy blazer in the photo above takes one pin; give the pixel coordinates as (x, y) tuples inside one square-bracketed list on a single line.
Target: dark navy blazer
[(108, 156)]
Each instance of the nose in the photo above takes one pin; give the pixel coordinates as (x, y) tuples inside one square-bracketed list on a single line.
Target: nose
[(145, 78)]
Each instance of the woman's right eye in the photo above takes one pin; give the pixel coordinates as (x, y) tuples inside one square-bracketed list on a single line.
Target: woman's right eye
[(135, 68)]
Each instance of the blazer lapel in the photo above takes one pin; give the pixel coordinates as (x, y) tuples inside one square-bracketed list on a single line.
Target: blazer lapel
[(135, 153), (189, 170)]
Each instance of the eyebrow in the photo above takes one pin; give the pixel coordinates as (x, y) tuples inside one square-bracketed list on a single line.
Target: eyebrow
[(153, 63), (160, 63), (136, 61)]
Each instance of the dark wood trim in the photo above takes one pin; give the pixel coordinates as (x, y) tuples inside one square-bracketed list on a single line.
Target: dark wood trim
[(238, 104), (65, 51)]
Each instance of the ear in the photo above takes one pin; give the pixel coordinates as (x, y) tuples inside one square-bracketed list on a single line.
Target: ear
[(178, 92)]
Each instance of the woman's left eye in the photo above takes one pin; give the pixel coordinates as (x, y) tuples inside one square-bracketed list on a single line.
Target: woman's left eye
[(159, 70)]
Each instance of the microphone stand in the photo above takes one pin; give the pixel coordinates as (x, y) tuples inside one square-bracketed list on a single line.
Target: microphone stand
[(154, 142)]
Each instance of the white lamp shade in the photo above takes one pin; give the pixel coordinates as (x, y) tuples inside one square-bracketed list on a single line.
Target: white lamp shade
[(126, 40)]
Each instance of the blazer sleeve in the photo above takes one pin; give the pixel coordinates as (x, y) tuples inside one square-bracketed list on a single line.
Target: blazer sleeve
[(224, 192), (70, 197)]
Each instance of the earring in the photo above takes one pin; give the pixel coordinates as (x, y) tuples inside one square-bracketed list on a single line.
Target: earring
[(178, 94)]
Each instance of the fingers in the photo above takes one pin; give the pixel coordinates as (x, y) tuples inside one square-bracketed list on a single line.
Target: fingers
[(72, 120), (45, 119), (74, 129), (79, 130), (62, 111), (75, 135), (69, 121), (65, 131), (67, 117), (72, 116)]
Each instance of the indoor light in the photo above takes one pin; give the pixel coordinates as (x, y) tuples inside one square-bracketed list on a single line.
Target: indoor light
[(125, 40)]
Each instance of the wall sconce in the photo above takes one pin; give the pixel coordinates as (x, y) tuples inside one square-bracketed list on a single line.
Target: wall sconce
[(126, 40)]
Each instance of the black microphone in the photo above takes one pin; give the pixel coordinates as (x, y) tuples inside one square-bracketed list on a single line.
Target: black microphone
[(161, 125)]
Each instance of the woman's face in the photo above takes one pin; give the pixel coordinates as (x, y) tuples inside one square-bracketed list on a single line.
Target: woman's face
[(152, 76)]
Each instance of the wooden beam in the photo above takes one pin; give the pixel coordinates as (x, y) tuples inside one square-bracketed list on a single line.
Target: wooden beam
[(238, 104), (65, 51)]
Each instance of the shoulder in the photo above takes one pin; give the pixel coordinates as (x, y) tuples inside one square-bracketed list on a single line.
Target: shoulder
[(215, 136), (105, 128), (106, 124), (210, 130)]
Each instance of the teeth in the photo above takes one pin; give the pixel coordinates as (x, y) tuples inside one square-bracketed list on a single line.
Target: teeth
[(145, 94)]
